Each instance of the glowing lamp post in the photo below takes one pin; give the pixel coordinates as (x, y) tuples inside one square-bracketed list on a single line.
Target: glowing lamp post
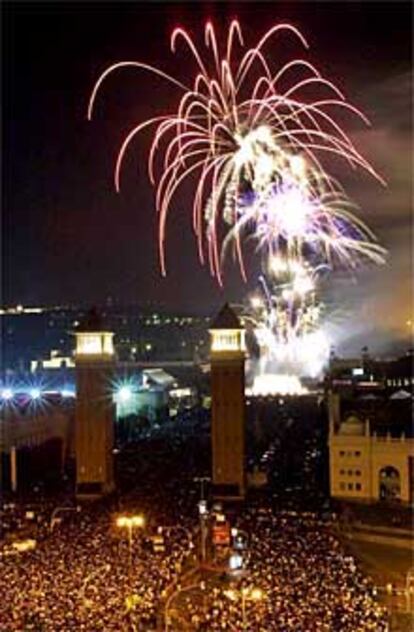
[(246, 594), (130, 523)]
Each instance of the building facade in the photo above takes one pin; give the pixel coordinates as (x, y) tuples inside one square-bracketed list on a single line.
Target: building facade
[(368, 462)]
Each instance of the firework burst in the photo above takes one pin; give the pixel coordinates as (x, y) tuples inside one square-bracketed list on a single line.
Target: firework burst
[(285, 314), (238, 135)]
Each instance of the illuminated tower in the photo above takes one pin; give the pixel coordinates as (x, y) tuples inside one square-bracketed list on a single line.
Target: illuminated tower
[(227, 415), (94, 415)]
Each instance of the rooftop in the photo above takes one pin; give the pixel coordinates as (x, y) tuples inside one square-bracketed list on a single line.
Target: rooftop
[(91, 322), (226, 319)]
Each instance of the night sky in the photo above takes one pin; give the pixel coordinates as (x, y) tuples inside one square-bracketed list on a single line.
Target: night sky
[(68, 237)]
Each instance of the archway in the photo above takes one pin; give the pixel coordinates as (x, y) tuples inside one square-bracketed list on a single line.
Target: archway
[(389, 483)]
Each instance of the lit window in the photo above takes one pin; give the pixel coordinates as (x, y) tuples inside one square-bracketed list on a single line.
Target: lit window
[(94, 343), (342, 486), (89, 344), (349, 472)]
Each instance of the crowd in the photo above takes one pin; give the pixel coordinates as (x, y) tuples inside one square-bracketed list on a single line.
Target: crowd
[(79, 576), (298, 578)]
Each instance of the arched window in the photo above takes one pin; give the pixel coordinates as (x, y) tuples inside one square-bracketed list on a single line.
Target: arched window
[(389, 483)]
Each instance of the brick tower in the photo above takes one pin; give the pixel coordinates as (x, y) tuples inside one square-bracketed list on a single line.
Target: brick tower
[(228, 410), (95, 412)]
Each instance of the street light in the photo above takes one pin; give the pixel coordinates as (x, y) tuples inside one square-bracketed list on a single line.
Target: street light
[(130, 522), (250, 593), (203, 514), (202, 480)]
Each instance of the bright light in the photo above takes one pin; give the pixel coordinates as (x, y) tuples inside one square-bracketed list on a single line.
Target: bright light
[(251, 149), (358, 371), (24, 545), (7, 393), (286, 212), (94, 343), (124, 393), (272, 384), (277, 265), (35, 393), (297, 165), (303, 285), (256, 302), (202, 507), (231, 594), (130, 521), (256, 594), (235, 562), (67, 393), (227, 340)]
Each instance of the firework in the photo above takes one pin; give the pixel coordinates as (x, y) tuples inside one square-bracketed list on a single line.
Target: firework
[(287, 218), (289, 288), (285, 315), (253, 138), (239, 134)]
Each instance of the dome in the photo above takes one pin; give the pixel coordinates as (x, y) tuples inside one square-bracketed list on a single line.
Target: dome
[(352, 426)]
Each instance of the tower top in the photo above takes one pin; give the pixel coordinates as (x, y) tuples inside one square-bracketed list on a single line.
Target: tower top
[(93, 340), (92, 321), (227, 334), (226, 319)]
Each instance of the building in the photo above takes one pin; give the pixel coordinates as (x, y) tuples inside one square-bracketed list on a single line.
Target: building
[(366, 374), (371, 449), (55, 361), (37, 432), (227, 405), (38, 406), (94, 410)]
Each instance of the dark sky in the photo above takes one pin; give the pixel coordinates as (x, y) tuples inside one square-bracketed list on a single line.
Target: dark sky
[(68, 237)]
